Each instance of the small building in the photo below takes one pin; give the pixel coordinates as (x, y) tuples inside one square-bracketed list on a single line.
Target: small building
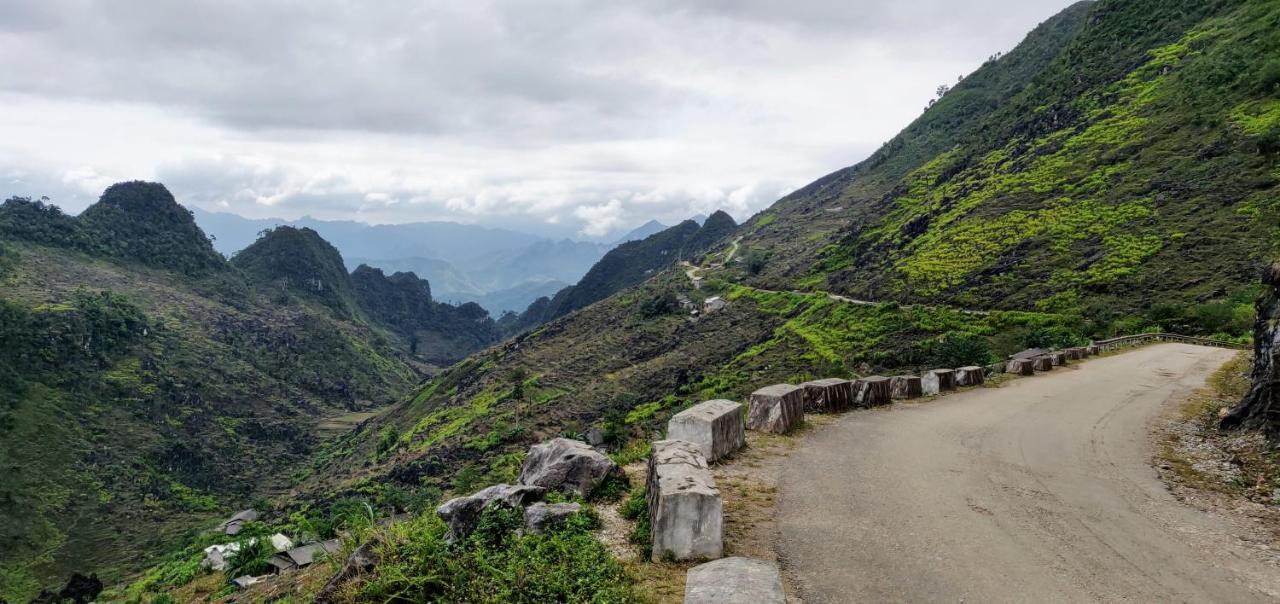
[(235, 522), (299, 557), (713, 304)]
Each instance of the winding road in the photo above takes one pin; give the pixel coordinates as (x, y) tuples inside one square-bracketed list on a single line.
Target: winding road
[(1041, 490)]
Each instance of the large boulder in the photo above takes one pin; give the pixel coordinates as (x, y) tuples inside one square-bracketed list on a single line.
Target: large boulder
[(905, 387), (777, 408), (571, 466), (969, 376), (871, 391), (542, 516), (938, 381), (685, 511), (1020, 367), (716, 427), (461, 514), (734, 581), (828, 395)]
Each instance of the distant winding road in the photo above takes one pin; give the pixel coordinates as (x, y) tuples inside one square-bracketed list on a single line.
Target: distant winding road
[(1038, 491)]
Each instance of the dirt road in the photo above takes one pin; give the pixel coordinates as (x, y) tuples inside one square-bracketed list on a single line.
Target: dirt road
[(1038, 491)]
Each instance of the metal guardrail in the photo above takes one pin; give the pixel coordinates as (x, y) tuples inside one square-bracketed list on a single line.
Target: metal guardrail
[(1166, 337)]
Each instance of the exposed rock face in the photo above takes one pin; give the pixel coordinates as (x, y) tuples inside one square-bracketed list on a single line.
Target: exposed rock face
[(938, 380), (567, 465), (1260, 407), (1059, 358), (905, 387), (830, 395), (871, 391), (462, 513), (685, 511), (542, 516), (1020, 367), (969, 376), (734, 581), (716, 427), (1043, 363), (777, 408)]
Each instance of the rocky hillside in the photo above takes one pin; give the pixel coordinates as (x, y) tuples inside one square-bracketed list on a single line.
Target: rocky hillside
[(146, 384), (1067, 182)]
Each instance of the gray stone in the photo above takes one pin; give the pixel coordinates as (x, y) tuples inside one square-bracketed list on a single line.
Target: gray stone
[(871, 391), (361, 561), (734, 581), (461, 514), (685, 511), (905, 387), (571, 466), (716, 427), (830, 395), (777, 408), (1043, 363), (970, 376), (1059, 358), (542, 516), (595, 437), (1020, 367), (938, 381)]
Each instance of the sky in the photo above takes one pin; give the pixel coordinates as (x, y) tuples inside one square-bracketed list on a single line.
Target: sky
[(578, 118)]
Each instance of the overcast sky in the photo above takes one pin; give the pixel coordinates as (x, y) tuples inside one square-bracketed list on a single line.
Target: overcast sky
[(568, 117)]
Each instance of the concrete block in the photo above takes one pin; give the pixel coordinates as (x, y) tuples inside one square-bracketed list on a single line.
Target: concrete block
[(970, 376), (734, 581), (1020, 367), (871, 391), (716, 427), (905, 387), (685, 510), (938, 381), (777, 408), (830, 395)]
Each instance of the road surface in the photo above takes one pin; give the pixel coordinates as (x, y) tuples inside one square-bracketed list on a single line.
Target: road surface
[(1038, 491)]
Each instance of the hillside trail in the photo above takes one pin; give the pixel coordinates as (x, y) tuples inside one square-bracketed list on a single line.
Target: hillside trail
[(1040, 490)]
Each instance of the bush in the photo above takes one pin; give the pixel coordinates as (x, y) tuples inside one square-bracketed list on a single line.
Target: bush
[(253, 558), (962, 349)]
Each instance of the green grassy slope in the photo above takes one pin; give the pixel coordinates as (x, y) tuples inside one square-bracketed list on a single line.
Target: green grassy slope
[(1138, 168)]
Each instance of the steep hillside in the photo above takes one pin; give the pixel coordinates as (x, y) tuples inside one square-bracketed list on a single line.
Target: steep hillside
[(298, 262), (438, 333), (147, 388), (1148, 140), (625, 266)]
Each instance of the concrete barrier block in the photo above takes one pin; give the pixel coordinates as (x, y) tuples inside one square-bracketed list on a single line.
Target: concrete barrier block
[(777, 408), (716, 427), (871, 391), (830, 395), (970, 376), (734, 581), (905, 387), (1059, 358), (685, 510), (938, 381), (1043, 363), (1020, 367)]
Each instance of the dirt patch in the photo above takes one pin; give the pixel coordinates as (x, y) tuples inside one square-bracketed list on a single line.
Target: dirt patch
[(1235, 475)]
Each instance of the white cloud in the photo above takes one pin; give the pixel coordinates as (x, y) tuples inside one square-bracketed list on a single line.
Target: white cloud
[(516, 114)]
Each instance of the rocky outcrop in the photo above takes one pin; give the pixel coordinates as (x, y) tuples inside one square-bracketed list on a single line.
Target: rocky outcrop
[(871, 391), (1260, 407), (734, 581), (830, 395), (461, 514), (777, 408), (905, 387), (685, 511), (542, 516), (938, 381), (1043, 363), (571, 466), (969, 376), (1020, 367), (716, 427)]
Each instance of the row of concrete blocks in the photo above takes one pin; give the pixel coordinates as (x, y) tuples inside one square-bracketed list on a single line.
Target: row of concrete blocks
[(1046, 362)]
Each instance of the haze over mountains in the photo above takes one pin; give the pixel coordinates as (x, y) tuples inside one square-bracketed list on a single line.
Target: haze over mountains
[(500, 269)]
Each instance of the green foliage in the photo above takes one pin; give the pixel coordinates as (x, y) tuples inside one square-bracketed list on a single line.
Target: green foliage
[(305, 264), (657, 305), (252, 558), (962, 349), (495, 564), (636, 508)]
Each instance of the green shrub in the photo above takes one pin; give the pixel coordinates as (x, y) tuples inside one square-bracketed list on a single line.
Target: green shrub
[(962, 349), (253, 558)]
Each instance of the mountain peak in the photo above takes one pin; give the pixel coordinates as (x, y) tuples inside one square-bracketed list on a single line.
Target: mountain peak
[(142, 222), (303, 262)]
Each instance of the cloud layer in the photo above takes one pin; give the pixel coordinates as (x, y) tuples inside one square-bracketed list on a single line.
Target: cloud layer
[(568, 116)]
